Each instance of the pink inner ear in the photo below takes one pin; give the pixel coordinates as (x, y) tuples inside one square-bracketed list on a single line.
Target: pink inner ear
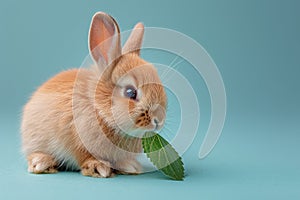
[(101, 38)]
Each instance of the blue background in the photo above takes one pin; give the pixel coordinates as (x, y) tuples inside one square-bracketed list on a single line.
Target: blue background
[(256, 46)]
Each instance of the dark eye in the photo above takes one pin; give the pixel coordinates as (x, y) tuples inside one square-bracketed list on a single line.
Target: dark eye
[(130, 92)]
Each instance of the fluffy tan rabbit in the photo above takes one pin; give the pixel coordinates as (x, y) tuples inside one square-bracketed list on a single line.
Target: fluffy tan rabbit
[(84, 119)]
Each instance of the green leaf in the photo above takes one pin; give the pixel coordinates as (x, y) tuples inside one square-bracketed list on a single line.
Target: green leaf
[(163, 155)]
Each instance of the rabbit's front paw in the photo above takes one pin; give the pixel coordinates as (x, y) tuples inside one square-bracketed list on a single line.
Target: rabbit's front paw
[(95, 168)]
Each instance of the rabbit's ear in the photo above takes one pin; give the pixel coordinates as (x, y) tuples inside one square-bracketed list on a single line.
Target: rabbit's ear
[(104, 39), (134, 42)]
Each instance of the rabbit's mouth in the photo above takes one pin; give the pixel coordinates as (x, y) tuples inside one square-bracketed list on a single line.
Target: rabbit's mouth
[(144, 125), (139, 132)]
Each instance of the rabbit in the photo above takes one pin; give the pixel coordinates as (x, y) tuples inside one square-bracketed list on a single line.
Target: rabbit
[(92, 119)]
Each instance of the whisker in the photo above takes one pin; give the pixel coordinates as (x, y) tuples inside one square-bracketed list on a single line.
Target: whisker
[(171, 119), (168, 129), (175, 67), (165, 135), (168, 132), (170, 66)]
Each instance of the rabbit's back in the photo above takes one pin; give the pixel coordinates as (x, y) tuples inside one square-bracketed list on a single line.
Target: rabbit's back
[(47, 123)]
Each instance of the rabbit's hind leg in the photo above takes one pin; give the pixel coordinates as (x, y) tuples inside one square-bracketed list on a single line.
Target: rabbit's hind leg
[(41, 163)]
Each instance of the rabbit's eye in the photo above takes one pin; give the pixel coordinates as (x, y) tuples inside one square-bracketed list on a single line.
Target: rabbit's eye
[(130, 92)]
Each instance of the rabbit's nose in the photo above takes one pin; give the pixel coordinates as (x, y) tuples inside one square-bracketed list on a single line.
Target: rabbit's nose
[(158, 116), (155, 122)]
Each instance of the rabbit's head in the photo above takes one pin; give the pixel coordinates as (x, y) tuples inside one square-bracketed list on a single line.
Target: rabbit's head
[(129, 96)]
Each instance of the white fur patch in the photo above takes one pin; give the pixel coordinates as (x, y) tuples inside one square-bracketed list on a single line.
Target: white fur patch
[(145, 162)]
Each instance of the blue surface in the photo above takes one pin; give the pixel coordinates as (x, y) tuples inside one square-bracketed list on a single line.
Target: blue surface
[(256, 47)]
